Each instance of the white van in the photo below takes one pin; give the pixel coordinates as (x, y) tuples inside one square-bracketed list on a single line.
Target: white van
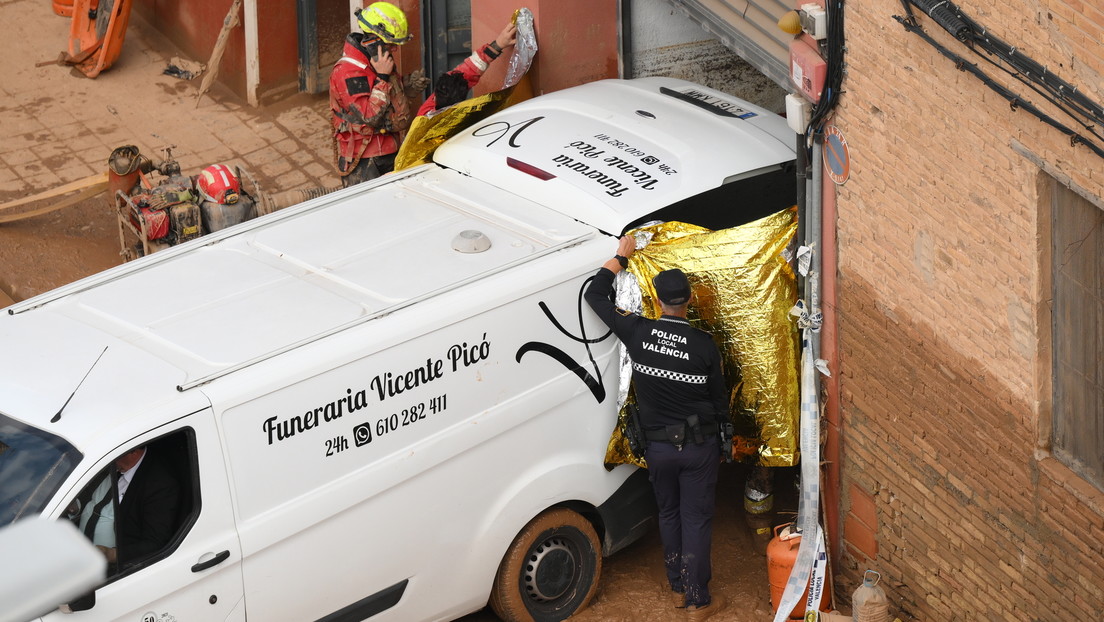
[(389, 402)]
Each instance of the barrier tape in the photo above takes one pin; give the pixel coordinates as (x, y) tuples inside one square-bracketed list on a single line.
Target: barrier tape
[(804, 259), (818, 584), (806, 319), (808, 507)]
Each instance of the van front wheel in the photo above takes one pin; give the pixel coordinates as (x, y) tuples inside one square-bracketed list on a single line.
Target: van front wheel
[(551, 570)]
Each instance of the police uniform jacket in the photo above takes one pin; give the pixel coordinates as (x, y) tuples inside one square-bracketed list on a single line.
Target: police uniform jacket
[(676, 368)]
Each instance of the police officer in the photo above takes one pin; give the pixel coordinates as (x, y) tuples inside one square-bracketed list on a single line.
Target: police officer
[(681, 394)]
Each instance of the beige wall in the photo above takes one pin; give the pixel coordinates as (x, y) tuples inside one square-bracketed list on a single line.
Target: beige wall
[(948, 489), (576, 41)]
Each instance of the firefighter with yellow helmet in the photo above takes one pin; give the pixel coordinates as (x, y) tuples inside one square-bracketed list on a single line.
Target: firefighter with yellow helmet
[(370, 111)]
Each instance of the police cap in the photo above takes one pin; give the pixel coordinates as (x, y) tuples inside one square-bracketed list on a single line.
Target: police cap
[(672, 287)]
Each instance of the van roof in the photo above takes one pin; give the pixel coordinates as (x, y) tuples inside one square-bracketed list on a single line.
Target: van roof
[(218, 303), (613, 151)]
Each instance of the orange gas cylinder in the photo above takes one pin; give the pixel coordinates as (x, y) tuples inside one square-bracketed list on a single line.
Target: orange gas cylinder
[(781, 555)]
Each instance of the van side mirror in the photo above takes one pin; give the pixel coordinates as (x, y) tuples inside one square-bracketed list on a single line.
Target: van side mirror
[(82, 603), (55, 563)]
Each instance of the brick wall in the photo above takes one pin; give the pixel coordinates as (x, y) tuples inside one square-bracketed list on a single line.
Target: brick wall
[(948, 489)]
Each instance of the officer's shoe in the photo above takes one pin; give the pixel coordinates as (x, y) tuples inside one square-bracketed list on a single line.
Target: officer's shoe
[(678, 599), (697, 614)]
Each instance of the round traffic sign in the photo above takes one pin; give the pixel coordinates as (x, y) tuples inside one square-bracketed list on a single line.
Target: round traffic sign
[(837, 160)]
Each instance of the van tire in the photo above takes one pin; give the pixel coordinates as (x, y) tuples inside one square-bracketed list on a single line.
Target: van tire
[(550, 572)]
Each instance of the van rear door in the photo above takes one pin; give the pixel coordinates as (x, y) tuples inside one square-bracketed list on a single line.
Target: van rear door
[(611, 152)]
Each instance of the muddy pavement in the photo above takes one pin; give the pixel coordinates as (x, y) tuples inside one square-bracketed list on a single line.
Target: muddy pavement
[(632, 586)]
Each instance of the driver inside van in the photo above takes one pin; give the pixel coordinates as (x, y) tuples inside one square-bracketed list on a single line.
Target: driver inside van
[(132, 513)]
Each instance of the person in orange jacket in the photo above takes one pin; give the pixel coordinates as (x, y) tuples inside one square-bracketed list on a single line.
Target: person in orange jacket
[(370, 112), (453, 86)]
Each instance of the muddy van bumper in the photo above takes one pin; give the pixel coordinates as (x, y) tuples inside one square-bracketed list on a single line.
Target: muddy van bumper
[(629, 513)]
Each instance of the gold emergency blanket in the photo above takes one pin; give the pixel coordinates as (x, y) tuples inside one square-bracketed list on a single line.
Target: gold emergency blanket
[(427, 133), (744, 290)]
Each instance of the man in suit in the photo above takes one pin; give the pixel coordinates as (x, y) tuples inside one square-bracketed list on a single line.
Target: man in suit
[(148, 504)]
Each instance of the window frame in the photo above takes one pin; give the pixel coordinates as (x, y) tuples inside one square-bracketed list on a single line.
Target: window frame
[(190, 488), (1064, 464)]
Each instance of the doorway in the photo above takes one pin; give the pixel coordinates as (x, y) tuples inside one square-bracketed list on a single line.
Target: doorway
[(446, 28), (323, 25)]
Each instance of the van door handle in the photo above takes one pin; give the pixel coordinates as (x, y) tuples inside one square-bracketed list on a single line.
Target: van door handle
[(214, 561)]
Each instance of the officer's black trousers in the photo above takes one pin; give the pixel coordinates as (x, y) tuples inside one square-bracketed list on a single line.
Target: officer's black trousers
[(685, 484)]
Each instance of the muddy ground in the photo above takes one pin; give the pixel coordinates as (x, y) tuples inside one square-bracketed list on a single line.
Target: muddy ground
[(44, 252), (633, 588)]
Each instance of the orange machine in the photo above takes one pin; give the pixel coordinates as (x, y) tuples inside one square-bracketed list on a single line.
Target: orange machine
[(96, 34), (64, 8)]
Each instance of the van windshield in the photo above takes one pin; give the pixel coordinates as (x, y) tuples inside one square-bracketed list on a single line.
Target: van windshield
[(33, 464)]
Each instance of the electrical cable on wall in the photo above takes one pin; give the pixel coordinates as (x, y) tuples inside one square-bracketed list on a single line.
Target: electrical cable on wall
[(977, 37), (833, 79), (809, 556), (834, 47), (1061, 94), (1092, 129), (1038, 78)]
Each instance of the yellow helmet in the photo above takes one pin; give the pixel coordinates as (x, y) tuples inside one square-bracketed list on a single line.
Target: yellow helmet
[(384, 20)]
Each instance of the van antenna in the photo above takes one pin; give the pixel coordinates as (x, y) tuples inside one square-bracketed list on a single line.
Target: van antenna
[(57, 417)]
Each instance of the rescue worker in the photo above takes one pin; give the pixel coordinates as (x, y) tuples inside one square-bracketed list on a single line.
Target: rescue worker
[(367, 99), (453, 86), (681, 395)]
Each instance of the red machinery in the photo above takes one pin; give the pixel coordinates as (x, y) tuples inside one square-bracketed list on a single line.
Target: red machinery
[(155, 214)]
